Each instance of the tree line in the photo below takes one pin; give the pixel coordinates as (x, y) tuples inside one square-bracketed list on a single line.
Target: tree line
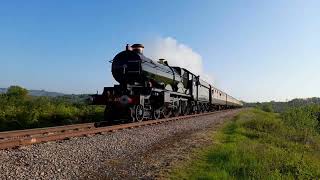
[(303, 114), (279, 107)]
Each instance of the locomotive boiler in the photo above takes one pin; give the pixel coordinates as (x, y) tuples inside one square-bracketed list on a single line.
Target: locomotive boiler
[(150, 89), (131, 67)]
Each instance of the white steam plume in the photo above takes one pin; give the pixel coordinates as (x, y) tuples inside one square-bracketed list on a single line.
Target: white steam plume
[(177, 54)]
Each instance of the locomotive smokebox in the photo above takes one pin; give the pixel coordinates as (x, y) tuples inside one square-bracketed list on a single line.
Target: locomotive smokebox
[(126, 65)]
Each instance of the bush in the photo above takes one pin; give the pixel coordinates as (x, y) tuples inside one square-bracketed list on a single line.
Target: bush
[(17, 91), (304, 118), (267, 107), (20, 111)]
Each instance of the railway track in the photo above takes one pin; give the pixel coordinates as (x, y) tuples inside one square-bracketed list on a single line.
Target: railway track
[(14, 139)]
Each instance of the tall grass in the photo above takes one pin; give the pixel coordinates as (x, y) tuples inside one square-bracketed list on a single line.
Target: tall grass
[(259, 145)]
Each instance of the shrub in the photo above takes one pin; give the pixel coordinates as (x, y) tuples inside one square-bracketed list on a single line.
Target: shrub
[(19, 111), (303, 118), (17, 92), (267, 107)]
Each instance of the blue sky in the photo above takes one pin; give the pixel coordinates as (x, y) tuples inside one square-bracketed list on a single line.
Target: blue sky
[(254, 50)]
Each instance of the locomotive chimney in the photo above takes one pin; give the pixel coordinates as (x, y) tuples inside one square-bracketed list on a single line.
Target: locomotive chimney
[(128, 47), (137, 48)]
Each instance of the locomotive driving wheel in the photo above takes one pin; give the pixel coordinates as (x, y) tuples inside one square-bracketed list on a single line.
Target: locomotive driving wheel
[(203, 108), (166, 112), (176, 112), (139, 112), (156, 114), (183, 109), (208, 108), (186, 110), (198, 111)]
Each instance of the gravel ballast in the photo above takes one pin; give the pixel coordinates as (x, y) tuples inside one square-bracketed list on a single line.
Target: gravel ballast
[(131, 153)]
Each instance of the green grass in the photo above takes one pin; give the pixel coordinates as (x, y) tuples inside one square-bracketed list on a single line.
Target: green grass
[(255, 145)]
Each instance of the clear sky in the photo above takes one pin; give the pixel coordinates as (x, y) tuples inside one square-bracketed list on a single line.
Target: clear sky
[(255, 50)]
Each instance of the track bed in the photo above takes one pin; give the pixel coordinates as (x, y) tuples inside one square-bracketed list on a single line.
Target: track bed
[(129, 153)]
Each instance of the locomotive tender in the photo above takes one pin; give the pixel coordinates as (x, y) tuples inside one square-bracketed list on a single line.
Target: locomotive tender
[(152, 90)]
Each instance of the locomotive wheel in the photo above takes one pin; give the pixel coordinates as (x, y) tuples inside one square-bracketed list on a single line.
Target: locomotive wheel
[(208, 108), (166, 112), (176, 109), (156, 114), (139, 112), (203, 108), (198, 111), (194, 109), (187, 110), (184, 109), (176, 112)]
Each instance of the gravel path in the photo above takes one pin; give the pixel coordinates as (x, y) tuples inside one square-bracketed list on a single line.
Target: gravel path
[(132, 153)]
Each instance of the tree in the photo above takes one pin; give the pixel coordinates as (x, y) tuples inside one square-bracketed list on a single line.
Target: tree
[(17, 91)]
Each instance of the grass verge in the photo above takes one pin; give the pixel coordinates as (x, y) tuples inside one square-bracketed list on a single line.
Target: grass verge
[(255, 145)]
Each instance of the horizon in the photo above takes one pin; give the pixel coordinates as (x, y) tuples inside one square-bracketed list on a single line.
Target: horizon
[(254, 51)]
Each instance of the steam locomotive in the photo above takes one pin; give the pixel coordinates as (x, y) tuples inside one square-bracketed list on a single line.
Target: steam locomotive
[(151, 89)]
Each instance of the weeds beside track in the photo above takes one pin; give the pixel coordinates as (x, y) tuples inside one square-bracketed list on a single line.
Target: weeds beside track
[(255, 145)]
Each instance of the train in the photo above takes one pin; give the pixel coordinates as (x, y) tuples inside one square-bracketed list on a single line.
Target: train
[(152, 89)]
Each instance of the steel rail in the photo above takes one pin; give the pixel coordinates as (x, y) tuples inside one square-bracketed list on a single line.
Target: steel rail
[(65, 134), (30, 132)]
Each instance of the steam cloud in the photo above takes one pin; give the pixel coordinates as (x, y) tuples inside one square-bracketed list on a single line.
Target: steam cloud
[(177, 54)]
